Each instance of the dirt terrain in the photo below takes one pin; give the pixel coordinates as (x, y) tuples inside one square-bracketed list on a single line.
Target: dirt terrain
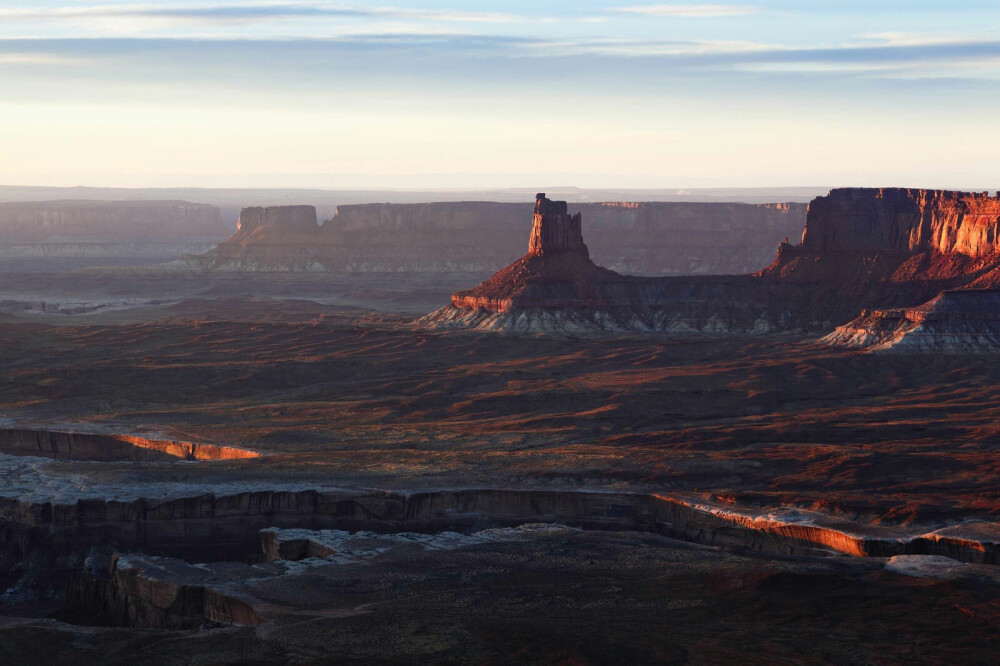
[(336, 388), (339, 391)]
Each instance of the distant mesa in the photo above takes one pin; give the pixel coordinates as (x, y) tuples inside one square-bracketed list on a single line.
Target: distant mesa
[(862, 249), (658, 238), (295, 219), (110, 221)]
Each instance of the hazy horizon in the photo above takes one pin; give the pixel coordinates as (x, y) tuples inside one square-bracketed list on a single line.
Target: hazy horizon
[(430, 95)]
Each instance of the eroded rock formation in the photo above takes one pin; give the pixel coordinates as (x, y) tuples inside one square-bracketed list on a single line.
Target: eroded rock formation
[(861, 249), (105, 448), (954, 322), (643, 238), (883, 249), (903, 220), (556, 288)]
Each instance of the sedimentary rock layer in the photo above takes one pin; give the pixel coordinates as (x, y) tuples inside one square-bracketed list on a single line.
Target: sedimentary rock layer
[(556, 288), (903, 220), (869, 249), (294, 219), (117, 221), (862, 249), (190, 527), (106, 448), (643, 238), (954, 322)]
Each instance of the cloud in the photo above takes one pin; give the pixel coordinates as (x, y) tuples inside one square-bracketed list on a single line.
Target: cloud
[(689, 10), (27, 58), (251, 11), (435, 55)]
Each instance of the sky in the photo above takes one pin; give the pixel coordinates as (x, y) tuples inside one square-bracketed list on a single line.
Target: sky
[(407, 94)]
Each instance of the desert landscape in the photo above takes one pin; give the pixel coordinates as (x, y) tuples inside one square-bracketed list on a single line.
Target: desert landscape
[(569, 333), (185, 466)]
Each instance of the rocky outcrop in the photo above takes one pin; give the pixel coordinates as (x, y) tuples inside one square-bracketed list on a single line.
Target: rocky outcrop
[(954, 322), (117, 221), (862, 249), (106, 448), (146, 592), (885, 249), (644, 238), (48, 541), (555, 231), (556, 288), (868, 220), (555, 276)]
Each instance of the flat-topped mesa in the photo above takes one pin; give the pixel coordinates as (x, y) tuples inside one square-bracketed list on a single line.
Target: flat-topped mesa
[(903, 220), (285, 218), (555, 230)]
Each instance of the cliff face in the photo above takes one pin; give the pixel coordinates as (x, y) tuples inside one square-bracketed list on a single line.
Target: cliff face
[(119, 221), (903, 220), (554, 230), (862, 249), (873, 249), (643, 238), (293, 219)]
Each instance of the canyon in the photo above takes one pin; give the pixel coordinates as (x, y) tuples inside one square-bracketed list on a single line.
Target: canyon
[(283, 466)]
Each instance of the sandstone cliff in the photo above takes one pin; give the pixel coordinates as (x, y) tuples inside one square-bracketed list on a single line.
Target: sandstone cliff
[(887, 248), (903, 220), (861, 249), (641, 238)]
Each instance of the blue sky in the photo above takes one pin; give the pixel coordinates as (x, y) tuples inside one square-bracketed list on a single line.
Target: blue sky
[(478, 94)]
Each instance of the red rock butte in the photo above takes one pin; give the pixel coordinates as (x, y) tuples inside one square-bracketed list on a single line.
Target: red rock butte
[(862, 248), (555, 230), (555, 273)]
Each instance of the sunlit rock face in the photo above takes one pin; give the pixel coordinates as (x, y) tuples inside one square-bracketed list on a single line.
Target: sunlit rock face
[(862, 249), (903, 220), (877, 250), (554, 230)]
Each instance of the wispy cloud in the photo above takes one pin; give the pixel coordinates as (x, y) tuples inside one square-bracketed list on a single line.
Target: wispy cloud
[(688, 10), (27, 58), (251, 11), (633, 48)]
